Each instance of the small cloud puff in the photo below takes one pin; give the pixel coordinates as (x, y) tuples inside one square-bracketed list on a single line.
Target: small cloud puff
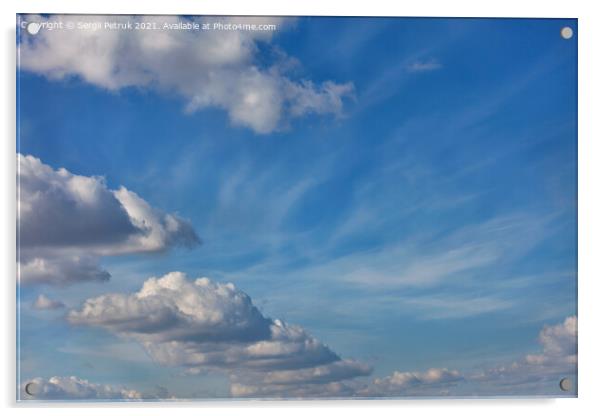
[(400, 380), (423, 66), (43, 302)]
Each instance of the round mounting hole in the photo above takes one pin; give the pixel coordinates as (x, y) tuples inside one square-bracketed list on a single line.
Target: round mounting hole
[(566, 32), (33, 28), (31, 389), (565, 384)]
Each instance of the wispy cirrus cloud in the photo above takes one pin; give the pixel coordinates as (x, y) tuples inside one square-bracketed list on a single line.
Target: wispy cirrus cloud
[(434, 258), (423, 66), (456, 306)]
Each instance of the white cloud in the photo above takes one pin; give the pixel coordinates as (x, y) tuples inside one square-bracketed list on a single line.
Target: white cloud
[(559, 343), (44, 302), (409, 383), (59, 269), (559, 348), (325, 382), (329, 380), (202, 325), (328, 390), (160, 230), (338, 370), (208, 68), (67, 221), (73, 388), (173, 308)]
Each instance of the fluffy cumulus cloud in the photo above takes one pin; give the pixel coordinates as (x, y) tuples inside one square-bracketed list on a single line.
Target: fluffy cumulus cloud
[(559, 344), (43, 302), (73, 388), (203, 326), (67, 221), (209, 68)]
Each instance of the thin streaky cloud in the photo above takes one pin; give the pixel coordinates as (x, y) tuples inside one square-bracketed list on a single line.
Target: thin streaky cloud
[(423, 66)]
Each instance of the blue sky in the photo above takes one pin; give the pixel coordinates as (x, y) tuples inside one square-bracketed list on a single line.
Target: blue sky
[(431, 223)]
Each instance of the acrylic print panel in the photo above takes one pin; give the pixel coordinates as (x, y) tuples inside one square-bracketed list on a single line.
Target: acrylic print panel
[(295, 207)]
